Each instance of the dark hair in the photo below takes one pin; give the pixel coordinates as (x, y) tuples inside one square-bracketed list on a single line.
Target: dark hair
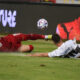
[(56, 38)]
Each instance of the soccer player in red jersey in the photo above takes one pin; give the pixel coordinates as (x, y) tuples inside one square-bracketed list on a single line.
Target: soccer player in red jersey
[(12, 42)]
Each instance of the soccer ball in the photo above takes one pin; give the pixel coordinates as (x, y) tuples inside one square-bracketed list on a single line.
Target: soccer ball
[(42, 23)]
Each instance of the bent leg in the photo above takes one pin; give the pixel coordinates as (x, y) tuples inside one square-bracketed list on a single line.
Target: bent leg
[(25, 48)]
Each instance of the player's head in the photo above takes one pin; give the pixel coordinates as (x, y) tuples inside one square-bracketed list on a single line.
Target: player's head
[(56, 38)]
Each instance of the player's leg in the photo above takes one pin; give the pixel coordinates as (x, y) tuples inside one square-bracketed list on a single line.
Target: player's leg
[(23, 37), (25, 48), (39, 36)]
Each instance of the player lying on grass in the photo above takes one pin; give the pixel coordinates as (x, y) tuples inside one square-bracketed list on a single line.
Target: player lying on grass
[(67, 49), (12, 42)]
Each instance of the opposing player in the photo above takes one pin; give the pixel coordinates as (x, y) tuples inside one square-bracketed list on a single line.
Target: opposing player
[(12, 42), (67, 49)]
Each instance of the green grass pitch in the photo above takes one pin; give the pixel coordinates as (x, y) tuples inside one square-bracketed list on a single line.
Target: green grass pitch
[(15, 66)]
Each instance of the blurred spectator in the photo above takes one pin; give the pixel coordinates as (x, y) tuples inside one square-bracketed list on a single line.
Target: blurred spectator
[(54, 1), (29, 0), (34, 0), (46, 0), (23, 0)]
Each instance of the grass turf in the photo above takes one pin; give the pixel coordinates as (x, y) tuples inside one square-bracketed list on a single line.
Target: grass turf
[(15, 66)]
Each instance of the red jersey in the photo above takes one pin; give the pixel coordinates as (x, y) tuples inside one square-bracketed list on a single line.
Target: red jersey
[(12, 42)]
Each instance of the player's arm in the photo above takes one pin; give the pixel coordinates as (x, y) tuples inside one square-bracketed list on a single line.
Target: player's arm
[(38, 55), (54, 53)]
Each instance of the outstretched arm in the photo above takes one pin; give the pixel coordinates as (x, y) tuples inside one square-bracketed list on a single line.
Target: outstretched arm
[(38, 55)]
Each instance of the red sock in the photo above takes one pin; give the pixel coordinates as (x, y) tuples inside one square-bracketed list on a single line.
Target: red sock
[(23, 37), (37, 36)]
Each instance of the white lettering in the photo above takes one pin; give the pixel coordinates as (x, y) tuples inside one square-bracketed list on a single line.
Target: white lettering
[(8, 17)]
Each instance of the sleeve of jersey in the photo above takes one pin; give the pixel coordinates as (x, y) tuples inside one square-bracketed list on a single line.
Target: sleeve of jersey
[(61, 51)]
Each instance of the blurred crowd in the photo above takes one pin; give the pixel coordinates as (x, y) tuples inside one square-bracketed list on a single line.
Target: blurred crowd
[(41, 0)]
